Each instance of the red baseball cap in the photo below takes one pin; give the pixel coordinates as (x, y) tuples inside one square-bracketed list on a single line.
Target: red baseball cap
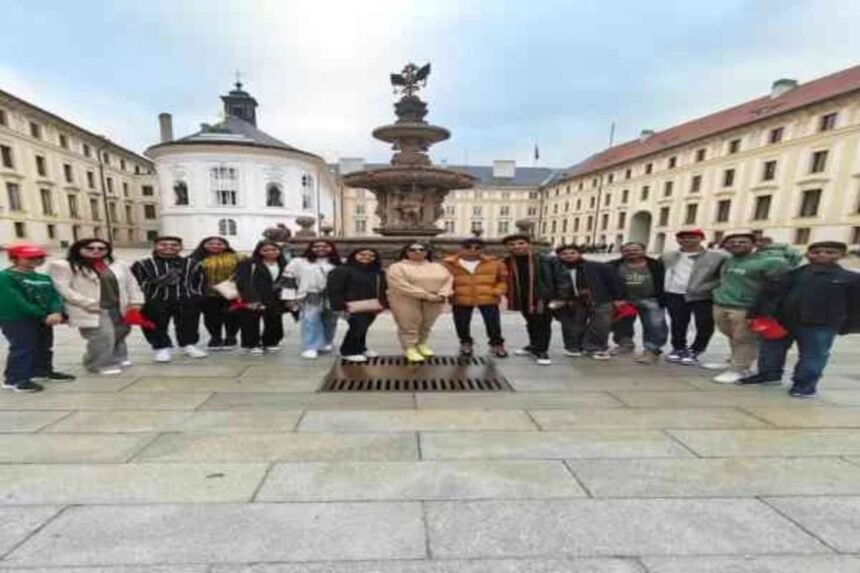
[(26, 252), (697, 232)]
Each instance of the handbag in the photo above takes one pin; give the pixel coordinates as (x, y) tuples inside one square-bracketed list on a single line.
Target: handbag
[(366, 305), (227, 289)]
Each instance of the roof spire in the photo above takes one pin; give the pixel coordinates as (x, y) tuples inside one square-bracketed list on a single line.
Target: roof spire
[(238, 83)]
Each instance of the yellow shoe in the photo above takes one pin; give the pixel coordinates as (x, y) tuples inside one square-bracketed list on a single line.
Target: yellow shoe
[(412, 355), (424, 350)]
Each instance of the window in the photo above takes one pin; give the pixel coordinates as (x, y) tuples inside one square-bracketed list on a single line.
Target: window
[(13, 194), (112, 212), (149, 212), (564, 226), (449, 226), (728, 177), (531, 212), (589, 223), (691, 213), (106, 157), (762, 208), (592, 201), (52, 231), (801, 236), (227, 227), (622, 219), (507, 194), (94, 209), (818, 162), (696, 184), (478, 226), (578, 204), (480, 194), (450, 210), (122, 164), (505, 210), (64, 141), (73, 207), (594, 182), (625, 196), (628, 173), (359, 209), (87, 151), (224, 181), (673, 162), (91, 180), (553, 226), (607, 200), (20, 230), (664, 216), (724, 209), (124, 189), (274, 195), (826, 123), (3, 119), (576, 225), (35, 130), (137, 169), (47, 202), (667, 188), (533, 194), (130, 235), (360, 226), (6, 157), (734, 146), (809, 203), (110, 185), (478, 211), (129, 214), (649, 167), (146, 190), (41, 166), (604, 221), (151, 235), (855, 236), (555, 209), (768, 171), (68, 174), (567, 206), (307, 192), (643, 196), (775, 135), (503, 227), (611, 178), (700, 155), (97, 232)]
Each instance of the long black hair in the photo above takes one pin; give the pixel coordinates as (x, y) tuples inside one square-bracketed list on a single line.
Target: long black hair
[(282, 260), (333, 258), (200, 252), (78, 262), (402, 255), (375, 266)]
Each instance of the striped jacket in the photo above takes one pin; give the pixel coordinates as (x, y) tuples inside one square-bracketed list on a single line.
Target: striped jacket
[(169, 280)]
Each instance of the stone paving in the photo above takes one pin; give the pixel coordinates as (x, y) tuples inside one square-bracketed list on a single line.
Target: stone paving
[(234, 464)]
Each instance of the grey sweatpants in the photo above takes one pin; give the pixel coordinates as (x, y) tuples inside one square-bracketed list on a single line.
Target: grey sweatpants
[(106, 342)]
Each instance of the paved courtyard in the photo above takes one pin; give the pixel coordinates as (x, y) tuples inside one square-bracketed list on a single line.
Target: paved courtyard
[(235, 464)]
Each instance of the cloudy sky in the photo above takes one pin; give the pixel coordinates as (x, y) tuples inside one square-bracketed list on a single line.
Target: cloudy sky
[(506, 74)]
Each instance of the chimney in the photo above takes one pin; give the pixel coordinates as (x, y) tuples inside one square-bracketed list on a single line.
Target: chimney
[(205, 127), (645, 135), (347, 165), (782, 86), (165, 122), (504, 169)]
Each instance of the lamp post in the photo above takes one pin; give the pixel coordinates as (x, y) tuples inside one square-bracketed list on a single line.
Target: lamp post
[(104, 145)]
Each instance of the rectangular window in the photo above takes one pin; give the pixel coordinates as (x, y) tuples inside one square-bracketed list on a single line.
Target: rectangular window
[(649, 168), (151, 235), (73, 207), (68, 174), (604, 221), (700, 155), (122, 164), (359, 208), (146, 190), (533, 194), (20, 230), (801, 236), (224, 181), (505, 210), (478, 226), (478, 211), (449, 226), (225, 197), (35, 130), (449, 210), (64, 141), (734, 146), (555, 209), (124, 189), (625, 196), (611, 178), (724, 209), (628, 173), (696, 184), (503, 227), (594, 182), (531, 212), (3, 119), (643, 196), (6, 157), (855, 235), (149, 212), (360, 226), (768, 171), (47, 201), (589, 224), (775, 135), (110, 185), (578, 204), (112, 212), (691, 213), (673, 162), (728, 177), (576, 225), (566, 206), (762, 208), (827, 122), (592, 201), (87, 151), (13, 195), (818, 162), (668, 187), (607, 200), (564, 226), (91, 180), (94, 209), (41, 166), (622, 219), (553, 226), (52, 231), (809, 203), (129, 214), (664, 217)]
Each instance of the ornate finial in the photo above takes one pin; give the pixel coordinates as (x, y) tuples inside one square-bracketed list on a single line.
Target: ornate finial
[(411, 79), (238, 83)]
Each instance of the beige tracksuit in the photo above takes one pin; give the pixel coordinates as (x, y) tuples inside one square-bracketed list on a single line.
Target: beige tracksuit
[(411, 286)]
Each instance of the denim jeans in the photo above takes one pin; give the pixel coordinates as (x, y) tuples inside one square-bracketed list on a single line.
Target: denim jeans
[(813, 344), (30, 354), (654, 329), (318, 326), (492, 323)]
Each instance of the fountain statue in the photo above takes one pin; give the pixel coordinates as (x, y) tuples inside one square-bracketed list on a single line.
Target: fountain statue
[(409, 193)]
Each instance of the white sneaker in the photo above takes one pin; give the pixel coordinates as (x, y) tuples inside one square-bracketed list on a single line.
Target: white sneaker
[(355, 358), (601, 355), (126, 364), (163, 355), (194, 352), (327, 348), (371, 354), (255, 351), (310, 354), (272, 349), (110, 371), (574, 353), (523, 352), (731, 376)]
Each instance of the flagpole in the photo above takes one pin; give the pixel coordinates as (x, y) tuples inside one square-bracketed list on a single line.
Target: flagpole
[(600, 191)]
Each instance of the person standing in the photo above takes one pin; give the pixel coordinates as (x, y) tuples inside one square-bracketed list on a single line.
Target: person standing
[(479, 281), (529, 290), (173, 287), (642, 280), (258, 280), (742, 278), (98, 291), (417, 291), (218, 261), (814, 303), (691, 275), (305, 290), (358, 288), (584, 295), (30, 307)]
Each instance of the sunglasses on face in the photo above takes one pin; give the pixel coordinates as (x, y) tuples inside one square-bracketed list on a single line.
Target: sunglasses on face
[(103, 249), (473, 247), (417, 249)]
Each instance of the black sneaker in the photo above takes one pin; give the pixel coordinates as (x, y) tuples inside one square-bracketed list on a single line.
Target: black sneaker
[(499, 351), (759, 379), (466, 349), (802, 393), (55, 377), (230, 344), (215, 344), (25, 386)]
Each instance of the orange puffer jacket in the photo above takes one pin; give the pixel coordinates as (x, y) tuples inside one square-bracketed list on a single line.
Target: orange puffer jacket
[(486, 285)]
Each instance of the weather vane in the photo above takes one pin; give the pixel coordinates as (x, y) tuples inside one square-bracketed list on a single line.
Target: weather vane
[(411, 79), (238, 80)]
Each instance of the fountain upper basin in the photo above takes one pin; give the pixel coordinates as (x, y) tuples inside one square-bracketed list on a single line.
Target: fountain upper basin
[(421, 176), (421, 131)]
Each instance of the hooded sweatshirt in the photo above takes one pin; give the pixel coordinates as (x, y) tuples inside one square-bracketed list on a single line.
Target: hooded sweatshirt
[(742, 278), (27, 295), (422, 280)]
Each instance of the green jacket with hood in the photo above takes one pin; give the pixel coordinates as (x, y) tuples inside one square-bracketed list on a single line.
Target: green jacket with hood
[(790, 254), (743, 278), (27, 295)]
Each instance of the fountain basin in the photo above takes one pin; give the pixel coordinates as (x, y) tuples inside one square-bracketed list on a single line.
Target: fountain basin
[(407, 176), (417, 131)]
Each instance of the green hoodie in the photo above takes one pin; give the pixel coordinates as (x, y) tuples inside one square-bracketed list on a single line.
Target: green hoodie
[(790, 254), (27, 295), (743, 278)]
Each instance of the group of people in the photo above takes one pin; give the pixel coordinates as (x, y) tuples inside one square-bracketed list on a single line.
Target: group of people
[(243, 301)]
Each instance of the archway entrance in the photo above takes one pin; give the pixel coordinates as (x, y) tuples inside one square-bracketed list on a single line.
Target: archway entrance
[(640, 228)]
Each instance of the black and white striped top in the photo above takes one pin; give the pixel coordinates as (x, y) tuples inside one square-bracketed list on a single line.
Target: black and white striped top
[(168, 280)]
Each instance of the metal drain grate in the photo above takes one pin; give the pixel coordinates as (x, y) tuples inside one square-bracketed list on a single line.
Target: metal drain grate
[(436, 374)]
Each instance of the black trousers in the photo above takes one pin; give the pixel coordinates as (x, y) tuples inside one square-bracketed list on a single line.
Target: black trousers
[(539, 327), (30, 349), (272, 327), (355, 341), (186, 322), (492, 323), (219, 321), (680, 310)]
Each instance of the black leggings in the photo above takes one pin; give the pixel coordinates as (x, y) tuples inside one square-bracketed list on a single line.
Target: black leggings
[(219, 321)]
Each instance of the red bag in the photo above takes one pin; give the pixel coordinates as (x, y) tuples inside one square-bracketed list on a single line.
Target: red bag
[(767, 327), (623, 311), (133, 317), (237, 305)]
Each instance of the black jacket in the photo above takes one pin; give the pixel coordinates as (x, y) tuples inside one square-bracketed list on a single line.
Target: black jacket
[(603, 281), (171, 280), (658, 273), (355, 282), (807, 296), (255, 282), (529, 282)]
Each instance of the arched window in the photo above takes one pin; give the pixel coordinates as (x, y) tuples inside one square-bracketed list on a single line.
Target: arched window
[(274, 195), (180, 193), (307, 192), (227, 227)]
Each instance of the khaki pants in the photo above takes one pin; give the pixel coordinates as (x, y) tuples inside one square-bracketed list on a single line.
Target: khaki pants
[(744, 343), (414, 318)]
